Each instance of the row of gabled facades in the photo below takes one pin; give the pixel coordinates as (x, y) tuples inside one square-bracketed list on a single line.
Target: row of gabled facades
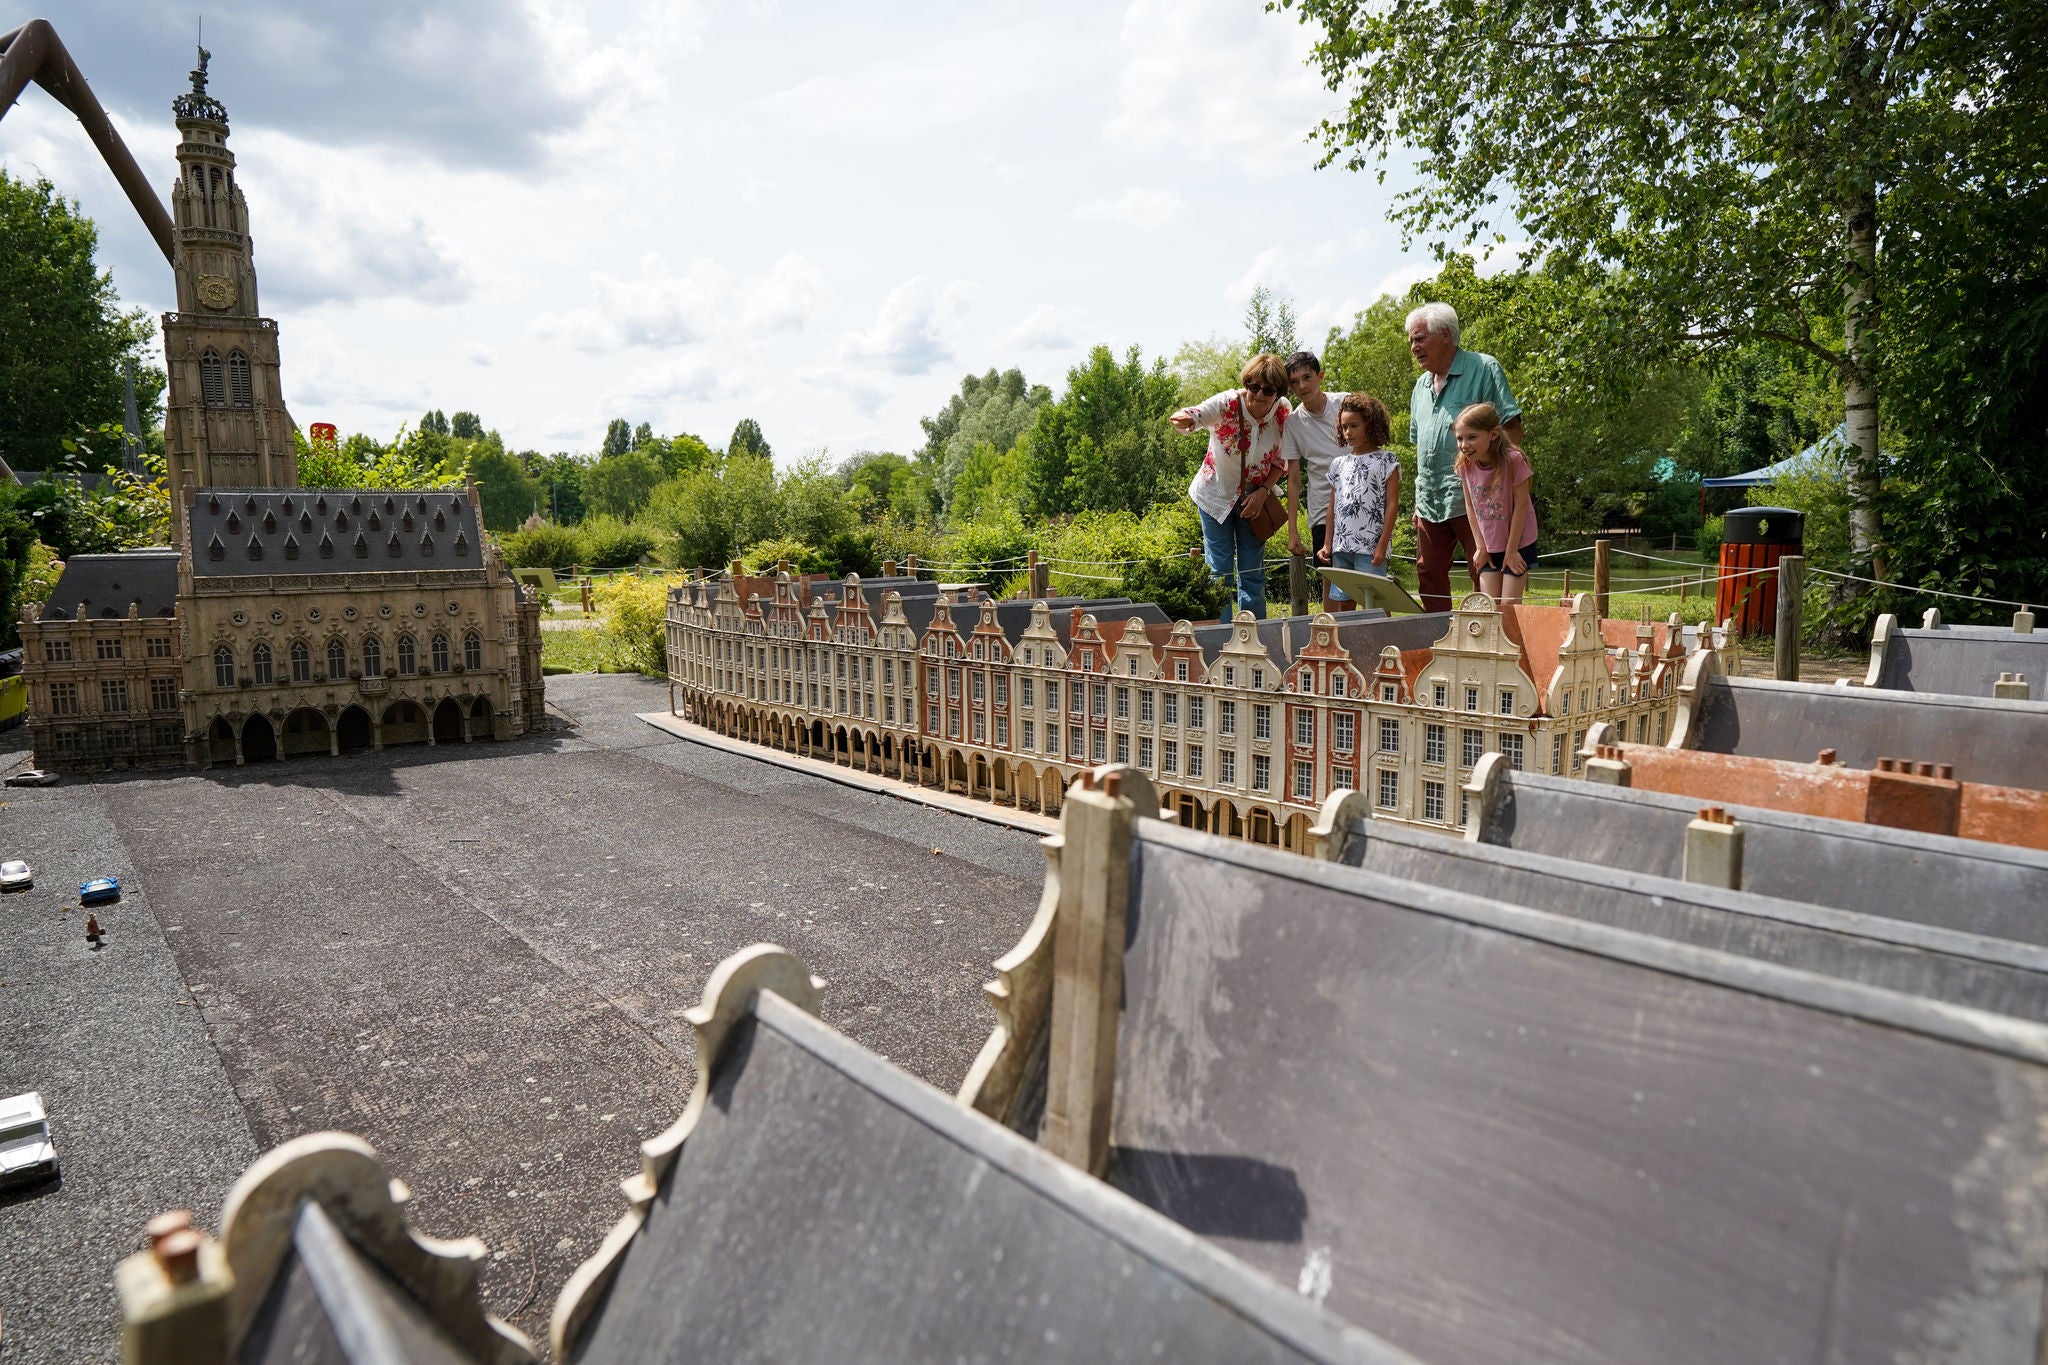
[(1245, 727)]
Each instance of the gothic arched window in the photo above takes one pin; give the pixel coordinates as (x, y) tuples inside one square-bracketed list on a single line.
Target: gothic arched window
[(259, 664), (302, 662), (408, 656), (238, 380), (472, 651), (373, 657), (223, 667), (337, 659), (440, 652), (213, 389)]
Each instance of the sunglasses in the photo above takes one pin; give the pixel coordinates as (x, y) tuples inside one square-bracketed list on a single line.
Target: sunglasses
[(1262, 390)]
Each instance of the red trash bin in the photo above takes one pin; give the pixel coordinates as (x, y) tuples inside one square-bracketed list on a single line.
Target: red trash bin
[(1753, 540)]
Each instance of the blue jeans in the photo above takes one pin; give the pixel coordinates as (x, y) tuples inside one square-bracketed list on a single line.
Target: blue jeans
[(1353, 559), (1238, 557)]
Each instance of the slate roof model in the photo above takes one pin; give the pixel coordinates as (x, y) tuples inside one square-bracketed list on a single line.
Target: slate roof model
[(107, 584), (240, 532), (1962, 661)]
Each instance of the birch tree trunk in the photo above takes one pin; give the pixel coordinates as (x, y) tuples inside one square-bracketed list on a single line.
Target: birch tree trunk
[(1859, 387)]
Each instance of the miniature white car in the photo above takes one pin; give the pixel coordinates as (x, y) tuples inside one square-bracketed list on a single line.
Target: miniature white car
[(15, 875), (26, 1154), (33, 777)]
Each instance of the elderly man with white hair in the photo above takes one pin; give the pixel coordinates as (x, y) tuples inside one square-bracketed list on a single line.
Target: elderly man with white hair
[(1452, 380)]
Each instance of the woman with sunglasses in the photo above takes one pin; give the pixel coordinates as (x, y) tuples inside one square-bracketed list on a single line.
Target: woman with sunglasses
[(1242, 481)]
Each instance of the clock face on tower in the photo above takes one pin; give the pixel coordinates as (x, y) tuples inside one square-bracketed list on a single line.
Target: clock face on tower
[(216, 292)]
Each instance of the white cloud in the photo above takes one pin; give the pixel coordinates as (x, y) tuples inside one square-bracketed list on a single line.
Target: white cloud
[(477, 353), (909, 335), (1136, 207), (1047, 328), (658, 309), (1399, 282), (1218, 80), (932, 85), (1268, 268)]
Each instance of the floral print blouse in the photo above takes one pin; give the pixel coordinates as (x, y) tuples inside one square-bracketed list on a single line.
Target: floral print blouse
[(1240, 448)]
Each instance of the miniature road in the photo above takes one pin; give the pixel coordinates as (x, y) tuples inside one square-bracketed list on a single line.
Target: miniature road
[(475, 958)]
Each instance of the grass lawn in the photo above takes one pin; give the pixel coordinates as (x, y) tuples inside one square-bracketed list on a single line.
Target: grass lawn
[(578, 651)]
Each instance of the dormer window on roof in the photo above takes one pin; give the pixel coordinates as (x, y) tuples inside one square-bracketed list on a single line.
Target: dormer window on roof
[(427, 546), (321, 505), (249, 504), (291, 547), (255, 548), (270, 523), (305, 522), (362, 546), (326, 546), (389, 505), (355, 504), (405, 523), (216, 550), (341, 521), (374, 523), (392, 547), (286, 505), (234, 524), (213, 504), (440, 522), (461, 545)]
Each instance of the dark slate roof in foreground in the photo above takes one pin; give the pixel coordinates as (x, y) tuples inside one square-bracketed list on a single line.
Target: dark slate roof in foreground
[(248, 531), (108, 583)]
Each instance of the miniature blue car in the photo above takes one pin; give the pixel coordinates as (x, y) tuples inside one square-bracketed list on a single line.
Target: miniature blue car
[(98, 890)]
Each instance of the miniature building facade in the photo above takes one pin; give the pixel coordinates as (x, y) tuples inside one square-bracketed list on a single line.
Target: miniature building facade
[(281, 621), (1245, 728)]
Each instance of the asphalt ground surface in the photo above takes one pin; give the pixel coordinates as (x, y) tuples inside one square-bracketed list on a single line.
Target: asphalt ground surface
[(475, 957)]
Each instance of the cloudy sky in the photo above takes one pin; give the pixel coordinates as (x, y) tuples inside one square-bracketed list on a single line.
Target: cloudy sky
[(685, 213)]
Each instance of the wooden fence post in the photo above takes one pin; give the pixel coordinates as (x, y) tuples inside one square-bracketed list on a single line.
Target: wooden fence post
[(1297, 585), (1041, 576), (1602, 563), (1791, 598)]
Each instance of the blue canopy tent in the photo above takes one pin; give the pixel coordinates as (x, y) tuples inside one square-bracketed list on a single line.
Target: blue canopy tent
[(1810, 460)]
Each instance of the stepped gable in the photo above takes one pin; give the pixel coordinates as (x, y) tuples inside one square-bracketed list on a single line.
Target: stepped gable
[(107, 584), (240, 532)]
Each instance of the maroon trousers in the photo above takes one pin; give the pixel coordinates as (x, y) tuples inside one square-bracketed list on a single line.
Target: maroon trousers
[(1433, 543)]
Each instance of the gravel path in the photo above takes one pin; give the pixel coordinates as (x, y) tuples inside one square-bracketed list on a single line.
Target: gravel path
[(476, 958)]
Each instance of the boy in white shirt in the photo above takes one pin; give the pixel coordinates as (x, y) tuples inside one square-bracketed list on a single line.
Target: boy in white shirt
[(1312, 443), (1365, 495)]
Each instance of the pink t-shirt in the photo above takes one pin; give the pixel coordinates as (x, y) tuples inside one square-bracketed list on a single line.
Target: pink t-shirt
[(1490, 502)]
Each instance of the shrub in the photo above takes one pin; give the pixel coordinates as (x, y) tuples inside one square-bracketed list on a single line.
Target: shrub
[(635, 631), (605, 542), (764, 555), (546, 546), (1183, 588)]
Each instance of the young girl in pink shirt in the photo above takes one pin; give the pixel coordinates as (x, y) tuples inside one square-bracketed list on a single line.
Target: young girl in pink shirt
[(1496, 479)]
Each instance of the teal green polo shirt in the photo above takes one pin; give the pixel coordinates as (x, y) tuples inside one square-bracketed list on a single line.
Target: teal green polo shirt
[(1474, 378)]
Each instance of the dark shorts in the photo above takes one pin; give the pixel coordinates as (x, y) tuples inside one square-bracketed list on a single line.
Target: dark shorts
[(1529, 558)]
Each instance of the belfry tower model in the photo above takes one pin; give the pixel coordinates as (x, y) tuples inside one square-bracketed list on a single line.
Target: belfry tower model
[(281, 621), (225, 424)]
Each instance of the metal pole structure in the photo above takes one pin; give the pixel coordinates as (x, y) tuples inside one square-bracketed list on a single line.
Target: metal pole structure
[(1791, 601), (1602, 563)]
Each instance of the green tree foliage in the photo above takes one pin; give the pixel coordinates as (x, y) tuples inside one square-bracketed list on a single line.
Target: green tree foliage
[(618, 438), (1206, 368), (27, 568), (466, 425), (813, 507), (434, 422), (1727, 173), (708, 515), (1105, 444), (1269, 324), (747, 440), (507, 494), (880, 482), (681, 454), (64, 340), (558, 481), (643, 436), (1181, 586), (359, 461), (992, 410), (619, 485)]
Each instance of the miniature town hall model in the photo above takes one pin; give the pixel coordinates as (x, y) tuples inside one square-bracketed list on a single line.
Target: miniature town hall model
[(282, 620), (1245, 727)]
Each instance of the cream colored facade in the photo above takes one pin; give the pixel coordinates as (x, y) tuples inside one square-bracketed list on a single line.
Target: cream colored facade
[(1239, 740)]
